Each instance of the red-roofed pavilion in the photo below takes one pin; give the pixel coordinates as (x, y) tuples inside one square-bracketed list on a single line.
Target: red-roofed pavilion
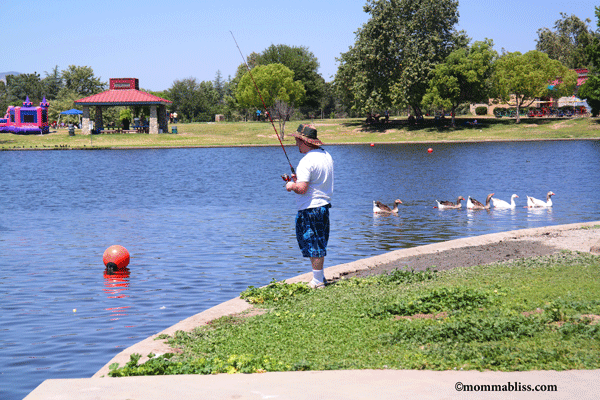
[(125, 92)]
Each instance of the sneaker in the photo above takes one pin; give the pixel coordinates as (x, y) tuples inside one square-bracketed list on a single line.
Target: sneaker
[(316, 284)]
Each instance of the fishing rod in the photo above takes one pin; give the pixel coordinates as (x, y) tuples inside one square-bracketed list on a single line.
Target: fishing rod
[(284, 176)]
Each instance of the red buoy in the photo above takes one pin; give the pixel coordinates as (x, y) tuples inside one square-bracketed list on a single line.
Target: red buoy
[(117, 256), (430, 150)]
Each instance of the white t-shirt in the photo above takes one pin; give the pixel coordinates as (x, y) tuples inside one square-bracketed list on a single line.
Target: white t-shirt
[(316, 168)]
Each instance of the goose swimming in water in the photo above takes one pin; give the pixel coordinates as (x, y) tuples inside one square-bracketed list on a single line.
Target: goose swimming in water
[(533, 202), (446, 205), (379, 207), (476, 205), (504, 204)]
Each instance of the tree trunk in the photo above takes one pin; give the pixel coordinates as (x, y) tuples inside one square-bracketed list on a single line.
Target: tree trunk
[(281, 127), (283, 111), (417, 111)]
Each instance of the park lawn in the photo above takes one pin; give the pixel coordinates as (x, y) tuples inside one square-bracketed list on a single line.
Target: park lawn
[(331, 131), (530, 314)]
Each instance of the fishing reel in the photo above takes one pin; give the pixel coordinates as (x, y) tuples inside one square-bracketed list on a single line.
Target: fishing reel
[(286, 178)]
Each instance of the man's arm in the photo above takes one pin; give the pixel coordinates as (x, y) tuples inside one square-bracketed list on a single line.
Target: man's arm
[(297, 187)]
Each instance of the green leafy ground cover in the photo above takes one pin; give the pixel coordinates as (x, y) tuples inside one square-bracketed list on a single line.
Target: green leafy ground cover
[(537, 313), (331, 131)]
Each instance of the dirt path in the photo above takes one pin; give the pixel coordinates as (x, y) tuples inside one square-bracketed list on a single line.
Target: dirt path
[(581, 239)]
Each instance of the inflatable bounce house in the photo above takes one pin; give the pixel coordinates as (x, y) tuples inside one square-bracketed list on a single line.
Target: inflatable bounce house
[(26, 119)]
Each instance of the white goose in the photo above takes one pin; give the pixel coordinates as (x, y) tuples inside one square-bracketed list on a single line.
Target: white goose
[(476, 205), (379, 207), (446, 205), (533, 202), (504, 204)]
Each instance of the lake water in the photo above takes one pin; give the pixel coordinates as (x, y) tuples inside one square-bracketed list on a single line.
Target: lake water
[(202, 225)]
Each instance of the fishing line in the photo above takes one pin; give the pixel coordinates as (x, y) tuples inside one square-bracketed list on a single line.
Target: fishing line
[(264, 105)]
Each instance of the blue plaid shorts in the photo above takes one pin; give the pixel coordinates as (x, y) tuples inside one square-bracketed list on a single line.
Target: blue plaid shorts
[(312, 231)]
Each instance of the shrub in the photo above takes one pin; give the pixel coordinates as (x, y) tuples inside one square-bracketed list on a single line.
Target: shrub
[(481, 110)]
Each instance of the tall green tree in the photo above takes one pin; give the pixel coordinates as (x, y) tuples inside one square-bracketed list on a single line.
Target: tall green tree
[(193, 100), (280, 92), (463, 77), (528, 76), (3, 98), (184, 95), (567, 42), (590, 91), (52, 83), (21, 86), (305, 66), (65, 100), (219, 85), (395, 51), (82, 81), (592, 50)]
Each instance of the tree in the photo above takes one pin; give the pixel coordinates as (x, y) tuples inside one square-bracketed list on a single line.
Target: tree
[(52, 84), (329, 100), (567, 42), (592, 50), (82, 81), (528, 76), (219, 85), (303, 64), (395, 51), (280, 92), (21, 86), (3, 98), (209, 100), (590, 91), (65, 100), (193, 101), (463, 77)]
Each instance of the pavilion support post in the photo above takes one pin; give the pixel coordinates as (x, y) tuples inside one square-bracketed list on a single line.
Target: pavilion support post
[(85, 122), (162, 119), (153, 119), (98, 120)]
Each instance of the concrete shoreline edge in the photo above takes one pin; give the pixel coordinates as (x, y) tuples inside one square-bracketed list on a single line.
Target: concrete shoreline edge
[(237, 305), (208, 146)]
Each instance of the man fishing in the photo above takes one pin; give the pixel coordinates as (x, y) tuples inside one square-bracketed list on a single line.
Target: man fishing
[(313, 184)]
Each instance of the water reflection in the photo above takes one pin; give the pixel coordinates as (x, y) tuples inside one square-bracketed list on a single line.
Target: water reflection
[(539, 214), (505, 214), (116, 283)]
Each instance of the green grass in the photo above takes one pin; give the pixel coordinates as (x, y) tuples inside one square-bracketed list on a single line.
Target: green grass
[(527, 314), (330, 131)]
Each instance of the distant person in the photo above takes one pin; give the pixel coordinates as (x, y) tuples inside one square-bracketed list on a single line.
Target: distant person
[(313, 185), (175, 117)]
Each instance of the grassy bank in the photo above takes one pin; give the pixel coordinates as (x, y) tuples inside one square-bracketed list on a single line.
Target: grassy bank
[(537, 313), (330, 131)]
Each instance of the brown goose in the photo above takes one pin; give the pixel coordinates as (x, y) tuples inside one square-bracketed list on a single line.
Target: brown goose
[(445, 205), (475, 205), (379, 207)]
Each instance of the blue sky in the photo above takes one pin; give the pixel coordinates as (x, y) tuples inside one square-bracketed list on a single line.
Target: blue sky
[(162, 41)]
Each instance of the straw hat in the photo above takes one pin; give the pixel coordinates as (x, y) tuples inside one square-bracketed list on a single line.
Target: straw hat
[(307, 133)]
